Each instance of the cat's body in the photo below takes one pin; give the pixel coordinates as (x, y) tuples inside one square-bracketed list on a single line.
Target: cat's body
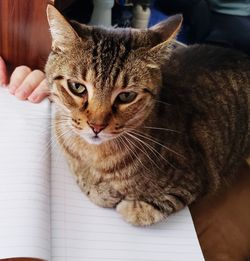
[(211, 86), (183, 135)]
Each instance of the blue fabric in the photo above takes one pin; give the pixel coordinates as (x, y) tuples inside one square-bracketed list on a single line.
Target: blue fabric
[(230, 30), (239, 7), (157, 16)]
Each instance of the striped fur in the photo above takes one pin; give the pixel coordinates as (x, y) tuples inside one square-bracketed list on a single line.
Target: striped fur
[(183, 136)]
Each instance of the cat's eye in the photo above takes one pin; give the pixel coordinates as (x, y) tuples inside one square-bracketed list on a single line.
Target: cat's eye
[(126, 97), (77, 88)]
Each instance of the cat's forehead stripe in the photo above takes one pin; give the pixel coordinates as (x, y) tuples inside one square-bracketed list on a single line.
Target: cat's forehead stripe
[(125, 81), (97, 39), (123, 57), (110, 52)]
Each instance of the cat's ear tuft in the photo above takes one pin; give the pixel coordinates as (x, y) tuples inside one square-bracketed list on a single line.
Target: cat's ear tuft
[(168, 29), (62, 33)]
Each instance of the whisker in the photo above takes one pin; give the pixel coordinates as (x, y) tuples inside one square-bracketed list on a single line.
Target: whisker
[(138, 156), (54, 142), (153, 150), (129, 151), (51, 144), (162, 102), (143, 150), (134, 167), (149, 137), (148, 179), (163, 129)]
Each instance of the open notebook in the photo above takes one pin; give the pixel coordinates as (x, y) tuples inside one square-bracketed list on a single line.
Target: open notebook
[(44, 215)]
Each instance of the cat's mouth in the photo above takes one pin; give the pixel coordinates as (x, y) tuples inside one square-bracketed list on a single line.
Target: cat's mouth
[(96, 139), (93, 138)]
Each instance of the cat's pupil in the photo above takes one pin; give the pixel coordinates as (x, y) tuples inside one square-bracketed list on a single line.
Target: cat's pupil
[(77, 85)]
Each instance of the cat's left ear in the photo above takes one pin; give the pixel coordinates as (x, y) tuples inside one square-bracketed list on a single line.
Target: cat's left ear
[(166, 31), (63, 34)]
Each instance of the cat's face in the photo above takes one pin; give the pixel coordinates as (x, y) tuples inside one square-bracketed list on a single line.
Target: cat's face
[(105, 81)]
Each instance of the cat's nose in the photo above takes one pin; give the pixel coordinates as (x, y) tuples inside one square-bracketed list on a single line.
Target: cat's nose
[(97, 128)]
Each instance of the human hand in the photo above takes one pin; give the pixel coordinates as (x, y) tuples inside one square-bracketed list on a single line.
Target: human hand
[(24, 83)]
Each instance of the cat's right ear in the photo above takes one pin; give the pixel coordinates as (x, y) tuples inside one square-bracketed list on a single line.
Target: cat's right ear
[(62, 33)]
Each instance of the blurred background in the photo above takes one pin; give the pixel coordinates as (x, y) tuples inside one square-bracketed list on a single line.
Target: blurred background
[(24, 28), (219, 22)]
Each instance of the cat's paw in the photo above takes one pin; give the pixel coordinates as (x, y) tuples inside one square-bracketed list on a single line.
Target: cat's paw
[(139, 213), (103, 199), (102, 194)]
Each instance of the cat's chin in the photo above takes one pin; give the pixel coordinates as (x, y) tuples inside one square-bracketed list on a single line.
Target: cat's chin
[(95, 140), (90, 138)]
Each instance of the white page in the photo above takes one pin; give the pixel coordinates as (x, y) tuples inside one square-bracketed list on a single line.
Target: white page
[(24, 178), (82, 231)]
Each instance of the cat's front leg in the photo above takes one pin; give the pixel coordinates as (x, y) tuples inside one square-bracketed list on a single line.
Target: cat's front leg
[(102, 194), (139, 213)]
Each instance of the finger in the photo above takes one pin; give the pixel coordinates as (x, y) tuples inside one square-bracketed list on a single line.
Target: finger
[(41, 92), (30, 83), (17, 77), (3, 72)]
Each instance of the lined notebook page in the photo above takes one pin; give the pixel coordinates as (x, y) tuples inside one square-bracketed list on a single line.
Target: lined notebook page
[(24, 178), (82, 231)]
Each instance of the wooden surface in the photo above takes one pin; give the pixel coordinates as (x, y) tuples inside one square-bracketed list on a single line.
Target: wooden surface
[(21, 259), (222, 221), (24, 33)]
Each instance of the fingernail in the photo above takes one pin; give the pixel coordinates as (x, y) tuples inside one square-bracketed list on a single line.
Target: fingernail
[(33, 98), (20, 95), (12, 89), (3, 83)]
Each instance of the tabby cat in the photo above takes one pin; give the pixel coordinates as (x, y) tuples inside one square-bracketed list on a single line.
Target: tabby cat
[(147, 128)]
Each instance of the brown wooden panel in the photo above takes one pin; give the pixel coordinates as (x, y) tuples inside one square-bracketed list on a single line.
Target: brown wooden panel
[(21, 259), (222, 221), (24, 33)]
